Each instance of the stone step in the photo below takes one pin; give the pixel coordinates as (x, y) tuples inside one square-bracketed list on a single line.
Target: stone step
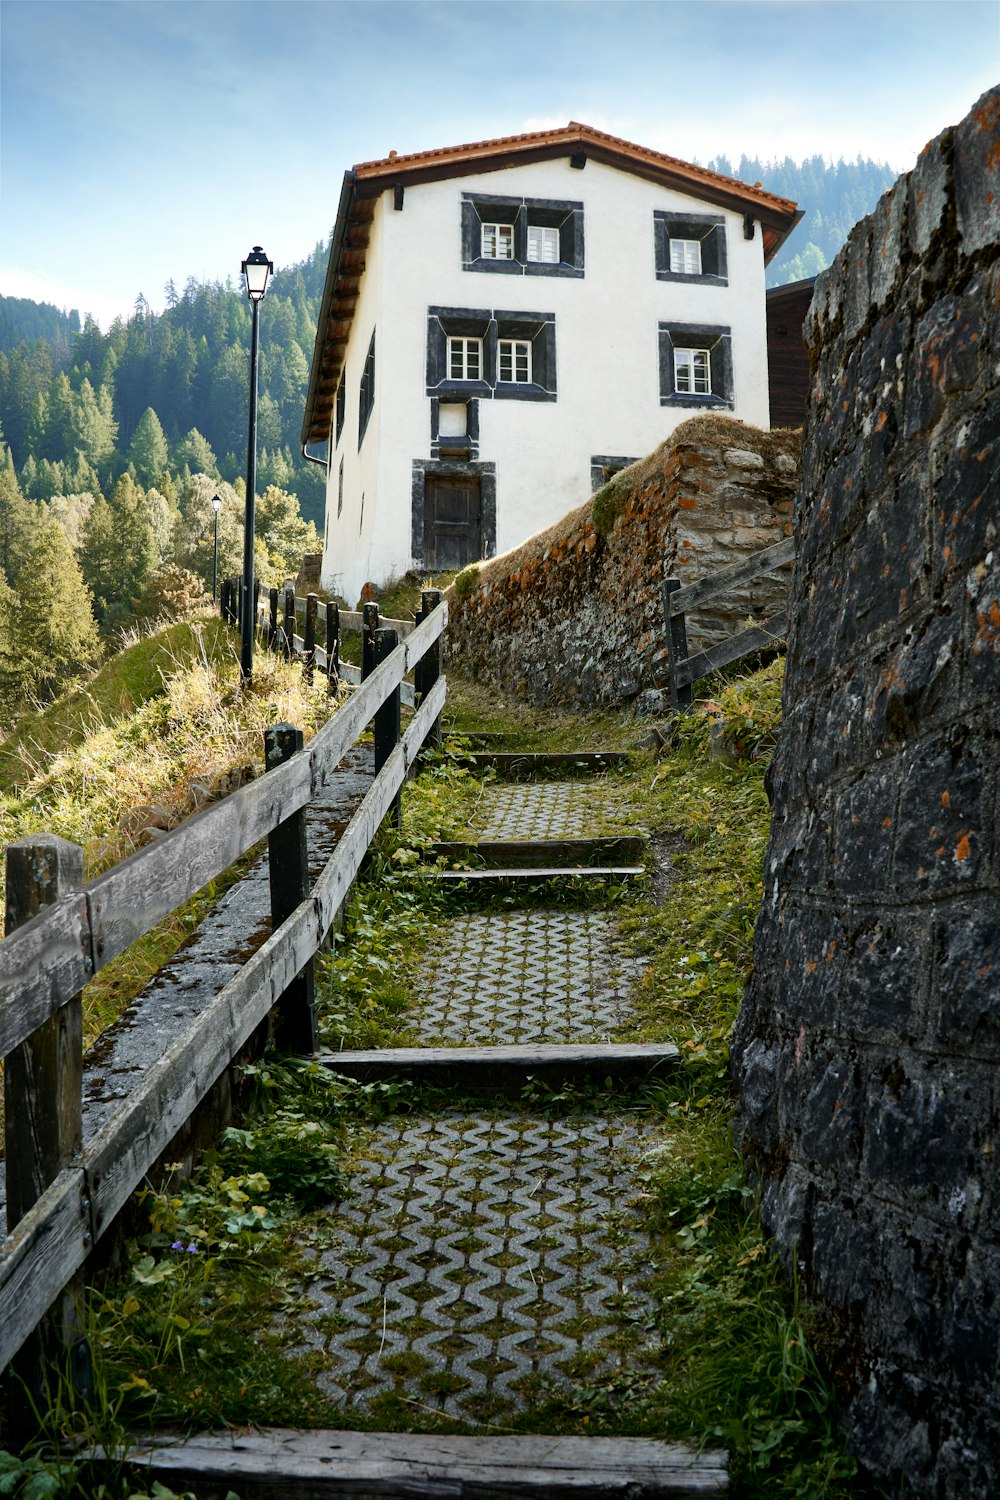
[(277, 1463), (507, 1065)]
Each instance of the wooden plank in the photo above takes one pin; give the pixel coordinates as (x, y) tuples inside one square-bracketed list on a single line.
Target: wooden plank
[(507, 1065), (545, 760), (706, 589), (313, 1465), (515, 852), (42, 1254), (351, 619), (42, 965), (288, 885), (757, 638)]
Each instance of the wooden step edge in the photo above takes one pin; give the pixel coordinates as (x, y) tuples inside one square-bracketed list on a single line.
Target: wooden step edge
[(280, 1462), (544, 760), (626, 848), (509, 1064), (523, 873)]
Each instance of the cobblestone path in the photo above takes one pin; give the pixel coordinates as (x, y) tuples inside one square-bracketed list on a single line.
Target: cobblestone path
[(488, 1258)]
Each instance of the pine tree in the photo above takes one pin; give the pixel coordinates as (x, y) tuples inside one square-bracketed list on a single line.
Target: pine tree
[(47, 630), (118, 551), (147, 451), (194, 451), (16, 517), (94, 426)]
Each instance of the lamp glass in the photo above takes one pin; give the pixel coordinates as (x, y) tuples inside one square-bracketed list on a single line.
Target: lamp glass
[(216, 504), (257, 270)]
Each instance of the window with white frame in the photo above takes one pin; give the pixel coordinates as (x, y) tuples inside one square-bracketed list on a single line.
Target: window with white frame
[(692, 372), (465, 358), (497, 242), (685, 257), (514, 361), (543, 244)]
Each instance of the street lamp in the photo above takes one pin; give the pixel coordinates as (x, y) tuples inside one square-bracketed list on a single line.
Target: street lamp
[(257, 270), (216, 506)]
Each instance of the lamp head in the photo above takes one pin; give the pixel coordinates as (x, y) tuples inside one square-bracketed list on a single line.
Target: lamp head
[(257, 270), (216, 503)]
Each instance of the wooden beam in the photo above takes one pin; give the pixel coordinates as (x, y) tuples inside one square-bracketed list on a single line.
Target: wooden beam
[(546, 760), (316, 1465), (683, 600), (526, 875), (552, 852), (507, 1065), (757, 638), (42, 1254)]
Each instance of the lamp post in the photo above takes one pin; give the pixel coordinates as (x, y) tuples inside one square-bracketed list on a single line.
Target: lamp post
[(257, 271), (216, 506)]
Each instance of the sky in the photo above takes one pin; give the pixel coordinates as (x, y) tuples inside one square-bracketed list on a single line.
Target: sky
[(143, 141)]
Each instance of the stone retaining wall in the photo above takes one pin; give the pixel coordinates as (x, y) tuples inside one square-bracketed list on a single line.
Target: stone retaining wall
[(868, 1045), (575, 615)]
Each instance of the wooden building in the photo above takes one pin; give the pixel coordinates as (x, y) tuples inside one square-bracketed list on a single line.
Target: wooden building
[(787, 358)]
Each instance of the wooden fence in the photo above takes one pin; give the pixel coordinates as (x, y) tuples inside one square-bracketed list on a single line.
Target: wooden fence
[(310, 629), (62, 1192), (678, 600)]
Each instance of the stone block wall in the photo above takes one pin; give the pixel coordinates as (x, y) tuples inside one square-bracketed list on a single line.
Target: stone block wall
[(575, 615), (868, 1045)]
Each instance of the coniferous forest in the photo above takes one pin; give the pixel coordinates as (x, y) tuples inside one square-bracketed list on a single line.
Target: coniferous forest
[(113, 444)]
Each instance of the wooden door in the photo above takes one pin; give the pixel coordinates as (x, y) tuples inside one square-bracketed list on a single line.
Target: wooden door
[(453, 527)]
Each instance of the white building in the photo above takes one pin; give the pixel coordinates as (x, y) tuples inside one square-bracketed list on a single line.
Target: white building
[(504, 324)]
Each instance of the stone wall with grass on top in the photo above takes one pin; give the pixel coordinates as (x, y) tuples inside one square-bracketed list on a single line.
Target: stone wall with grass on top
[(575, 615), (867, 1048)]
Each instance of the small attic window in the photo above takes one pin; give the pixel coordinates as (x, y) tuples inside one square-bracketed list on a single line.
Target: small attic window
[(685, 257), (497, 241)]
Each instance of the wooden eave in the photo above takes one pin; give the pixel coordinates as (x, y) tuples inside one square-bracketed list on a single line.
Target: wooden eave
[(367, 181)]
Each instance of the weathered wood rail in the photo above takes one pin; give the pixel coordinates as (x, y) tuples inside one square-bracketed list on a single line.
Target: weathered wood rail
[(679, 600), (63, 1192), (278, 618)]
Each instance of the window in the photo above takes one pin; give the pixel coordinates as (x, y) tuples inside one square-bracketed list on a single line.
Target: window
[(522, 236), (340, 488), (690, 247), (692, 372), (696, 365), (465, 358), (366, 394), (497, 241), (479, 352), (543, 244), (685, 257), (341, 401), (514, 361)]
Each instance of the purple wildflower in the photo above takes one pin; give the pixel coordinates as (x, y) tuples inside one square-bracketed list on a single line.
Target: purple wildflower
[(177, 1245)]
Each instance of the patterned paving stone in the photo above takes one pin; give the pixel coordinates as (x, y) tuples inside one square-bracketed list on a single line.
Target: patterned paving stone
[(479, 1263), (552, 810), (529, 976)]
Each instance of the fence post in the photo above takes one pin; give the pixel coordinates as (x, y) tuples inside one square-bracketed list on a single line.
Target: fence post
[(288, 875), (677, 647), (256, 605), (309, 638), (431, 663), (272, 618), (43, 1122), (240, 603), (232, 601), (387, 717), (289, 624), (369, 625), (224, 599), (332, 648)]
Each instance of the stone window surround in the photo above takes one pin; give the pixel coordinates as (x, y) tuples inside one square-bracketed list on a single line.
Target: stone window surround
[(487, 476), (708, 229), (566, 215), (718, 341), (491, 326)]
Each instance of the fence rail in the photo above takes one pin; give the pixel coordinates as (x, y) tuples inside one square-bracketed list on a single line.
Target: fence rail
[(679, 600), (61, 1194)]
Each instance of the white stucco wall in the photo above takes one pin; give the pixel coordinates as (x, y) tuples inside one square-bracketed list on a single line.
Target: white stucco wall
[(607, 354)]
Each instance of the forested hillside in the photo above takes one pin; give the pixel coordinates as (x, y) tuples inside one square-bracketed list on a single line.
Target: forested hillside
[(833, 197)]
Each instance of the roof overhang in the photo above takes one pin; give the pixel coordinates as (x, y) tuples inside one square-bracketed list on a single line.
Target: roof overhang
[(364, 184)]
